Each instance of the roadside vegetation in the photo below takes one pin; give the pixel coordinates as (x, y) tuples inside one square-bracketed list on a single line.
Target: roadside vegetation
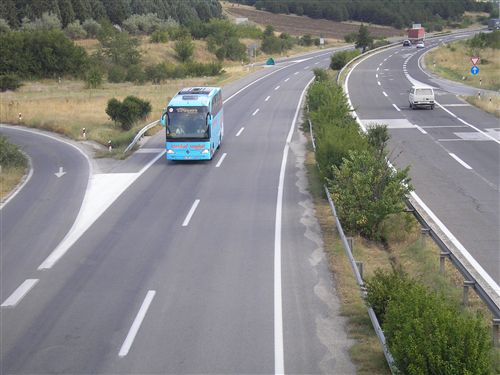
[(452, 62), (13, 165), (401, 266)]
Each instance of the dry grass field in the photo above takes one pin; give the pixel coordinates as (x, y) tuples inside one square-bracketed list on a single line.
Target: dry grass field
[(9, 179), (453, 62)]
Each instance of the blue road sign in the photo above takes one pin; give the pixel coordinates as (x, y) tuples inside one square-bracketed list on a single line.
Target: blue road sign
[(474, 70)]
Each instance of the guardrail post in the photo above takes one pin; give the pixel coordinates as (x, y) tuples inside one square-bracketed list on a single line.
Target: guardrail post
[(424, 232), (350, 243), (442, 259), (467, 285), (360, 268), (496, 332)]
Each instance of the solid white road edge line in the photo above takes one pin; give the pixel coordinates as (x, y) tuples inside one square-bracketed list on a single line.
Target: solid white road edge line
[(463, 163), (19, 293), (240, 131), (279, 361), (221, 160), (136, 324), (487, 278), (190, 213)]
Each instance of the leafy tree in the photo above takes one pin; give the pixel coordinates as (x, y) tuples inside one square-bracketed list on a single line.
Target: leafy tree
[(117, 74), (67, 12), (159, 36), (306, 40), (119, 48), (366, 191), (9, 82), (75, 30), (128, 112), (339, 59), (364, 40), (8, 12), (184, 49), (48, 21), (93, 78), (4, 26), (91, 27)]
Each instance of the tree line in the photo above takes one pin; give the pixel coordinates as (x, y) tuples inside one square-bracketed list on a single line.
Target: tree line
[(396, 13), (116, 11)]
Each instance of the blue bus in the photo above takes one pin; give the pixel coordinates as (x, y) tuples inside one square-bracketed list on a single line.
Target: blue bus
[(194, 124)]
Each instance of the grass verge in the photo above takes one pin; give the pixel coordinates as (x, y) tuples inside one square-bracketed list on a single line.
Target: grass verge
[(453, 62), (9, 179), (406, 247), (490, 104)]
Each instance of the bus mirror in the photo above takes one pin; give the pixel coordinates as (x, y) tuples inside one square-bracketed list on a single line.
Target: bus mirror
[(163, 117), (209, 119)]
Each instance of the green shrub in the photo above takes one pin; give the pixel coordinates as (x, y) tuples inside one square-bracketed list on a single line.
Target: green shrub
[(485, 40), (4, 26), (91, 27), (10, 156), (75, 30), (142, 23), (320, 74), (366, 191), (428, 335), (128, 112), (383, 287), (159, 36), (136, 74), (93, 78), (340, 59), (48, 21), (351, 37), (306, 40), (196, 69), (184, 49), (158, 73), (117, 74), (9, 82)]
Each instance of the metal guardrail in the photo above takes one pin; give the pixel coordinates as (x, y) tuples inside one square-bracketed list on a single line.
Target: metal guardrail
[(140, 134), (473, 278)]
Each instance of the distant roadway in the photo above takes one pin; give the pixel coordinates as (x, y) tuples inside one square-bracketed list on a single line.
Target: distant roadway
[(453, 150)]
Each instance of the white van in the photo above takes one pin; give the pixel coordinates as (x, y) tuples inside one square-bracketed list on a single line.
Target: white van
[(421, 96)]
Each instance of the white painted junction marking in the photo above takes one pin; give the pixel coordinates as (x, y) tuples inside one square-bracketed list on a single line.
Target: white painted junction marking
[(464, 164), (136, 324), (190, 213), (397, 108), (420, 129), (19, 293)]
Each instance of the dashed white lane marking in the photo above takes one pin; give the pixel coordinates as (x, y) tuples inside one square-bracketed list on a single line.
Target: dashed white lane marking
[(190, 213), (19, 293), (463, 163), (378, 83), (316, 63), (383, 92), (378, 69), (307, 67), (295, 73), (420, 129), (457, 105), (266, 99), (221, 160), (136, 324), (276, 88), (395, 106), (240, 131), (286, 80), (255, 112), (376, 75)]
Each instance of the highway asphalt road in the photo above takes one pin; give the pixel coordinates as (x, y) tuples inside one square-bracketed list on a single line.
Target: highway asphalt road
[(202, 267), (453, 150)]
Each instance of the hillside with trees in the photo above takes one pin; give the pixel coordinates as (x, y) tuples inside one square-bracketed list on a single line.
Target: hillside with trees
[(434, 14), (17, 12)]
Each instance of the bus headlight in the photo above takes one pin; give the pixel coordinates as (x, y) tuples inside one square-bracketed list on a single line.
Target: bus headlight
[(205, 151), (170, 152)]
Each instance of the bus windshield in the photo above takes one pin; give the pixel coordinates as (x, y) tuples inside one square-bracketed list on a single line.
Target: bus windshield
[(187, 122)]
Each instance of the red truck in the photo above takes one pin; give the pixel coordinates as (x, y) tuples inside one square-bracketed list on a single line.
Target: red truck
[(416, 34)]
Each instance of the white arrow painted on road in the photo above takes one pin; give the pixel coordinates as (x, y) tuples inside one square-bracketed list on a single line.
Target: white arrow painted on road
[(60, 173)]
